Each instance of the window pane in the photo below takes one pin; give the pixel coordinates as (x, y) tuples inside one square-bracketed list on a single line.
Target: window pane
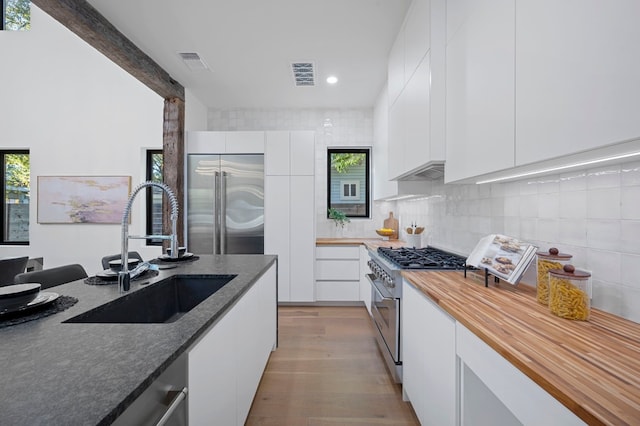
[(15, 219), (348, 181), (154, 202), (16, 15)]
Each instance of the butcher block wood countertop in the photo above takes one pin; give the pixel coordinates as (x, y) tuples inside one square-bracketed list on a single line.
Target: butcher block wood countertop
[(372, 243), (592, 367)]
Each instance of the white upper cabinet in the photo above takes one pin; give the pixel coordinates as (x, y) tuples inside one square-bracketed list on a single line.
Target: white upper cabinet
[(276, 151), (290, 153), (382, 186), (578, 76), (416, 119), (397, 131), (302, 151), (417, 35), (395, 71), (480, 94), (204, 142), (539, 84), (248, 142), (417, 116)]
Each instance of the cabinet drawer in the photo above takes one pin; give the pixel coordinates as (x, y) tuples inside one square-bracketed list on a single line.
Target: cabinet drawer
[(341, 270), (339, 291), (337, 252)]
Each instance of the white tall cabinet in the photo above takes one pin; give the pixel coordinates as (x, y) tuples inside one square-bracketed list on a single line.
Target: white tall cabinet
[(290, 211)]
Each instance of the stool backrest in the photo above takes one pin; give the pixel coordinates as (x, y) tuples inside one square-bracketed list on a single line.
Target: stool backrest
[(53, 276)]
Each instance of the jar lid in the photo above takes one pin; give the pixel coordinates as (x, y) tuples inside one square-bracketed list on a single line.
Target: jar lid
[(568, 271), (553, 253)]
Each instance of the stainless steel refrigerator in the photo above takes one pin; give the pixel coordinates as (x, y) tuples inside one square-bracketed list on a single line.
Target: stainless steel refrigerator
[(225, 204)]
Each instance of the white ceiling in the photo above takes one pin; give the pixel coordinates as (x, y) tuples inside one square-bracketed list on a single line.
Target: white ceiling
[(250, 44)]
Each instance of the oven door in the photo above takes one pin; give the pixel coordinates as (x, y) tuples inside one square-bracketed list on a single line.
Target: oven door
[(385, 311)]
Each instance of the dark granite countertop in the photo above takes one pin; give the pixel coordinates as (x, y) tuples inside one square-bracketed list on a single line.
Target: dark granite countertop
[(87, 374)]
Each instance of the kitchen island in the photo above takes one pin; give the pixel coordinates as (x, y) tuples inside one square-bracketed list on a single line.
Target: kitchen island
[(88, 374)]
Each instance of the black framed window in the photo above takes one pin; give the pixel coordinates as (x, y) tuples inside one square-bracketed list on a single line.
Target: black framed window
[(16, 15), (155, 165), (349, 181), (15, 183)]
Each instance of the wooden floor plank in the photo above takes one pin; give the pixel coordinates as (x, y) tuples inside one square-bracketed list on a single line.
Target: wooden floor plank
[(328, 371)]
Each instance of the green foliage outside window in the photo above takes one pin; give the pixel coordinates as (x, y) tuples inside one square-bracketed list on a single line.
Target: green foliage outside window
[(17, 15), (17, 172), (342, 162)]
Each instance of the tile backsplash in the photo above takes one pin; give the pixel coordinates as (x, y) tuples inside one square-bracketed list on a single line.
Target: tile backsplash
[(592, 214)]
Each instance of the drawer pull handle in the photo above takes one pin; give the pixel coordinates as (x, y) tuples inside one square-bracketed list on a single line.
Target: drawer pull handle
[(176, 398)]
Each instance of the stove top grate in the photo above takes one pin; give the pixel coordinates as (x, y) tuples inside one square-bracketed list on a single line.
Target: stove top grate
[(422, 258)]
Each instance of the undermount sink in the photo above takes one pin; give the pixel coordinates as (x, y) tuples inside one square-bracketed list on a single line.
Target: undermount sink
[(163, 302)]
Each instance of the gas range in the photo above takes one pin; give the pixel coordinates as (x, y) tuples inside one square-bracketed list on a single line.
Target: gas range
[(387, 263)]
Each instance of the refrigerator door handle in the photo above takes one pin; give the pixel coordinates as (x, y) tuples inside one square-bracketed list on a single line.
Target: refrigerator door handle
[(223, 214), (216, 213)]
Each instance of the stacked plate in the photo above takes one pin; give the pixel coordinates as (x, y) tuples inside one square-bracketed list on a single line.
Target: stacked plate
[(23, 297), (15, 296)]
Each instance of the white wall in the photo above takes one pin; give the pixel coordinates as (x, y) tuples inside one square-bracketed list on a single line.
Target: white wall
[(78, 114), (333, 127), (195, 114)]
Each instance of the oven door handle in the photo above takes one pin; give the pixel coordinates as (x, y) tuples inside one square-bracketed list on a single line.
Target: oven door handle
[(371, 279)]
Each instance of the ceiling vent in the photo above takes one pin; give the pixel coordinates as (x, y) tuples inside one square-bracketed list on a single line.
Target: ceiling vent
[(303, 74), (193, 61)]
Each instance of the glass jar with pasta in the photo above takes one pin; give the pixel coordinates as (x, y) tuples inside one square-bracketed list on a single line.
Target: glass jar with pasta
[(570, 293), (547, 260)]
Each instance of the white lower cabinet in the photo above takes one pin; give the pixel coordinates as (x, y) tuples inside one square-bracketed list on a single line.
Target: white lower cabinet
[(429, 371), (512, 397), (452, 377), (338, 273), (225, 366)]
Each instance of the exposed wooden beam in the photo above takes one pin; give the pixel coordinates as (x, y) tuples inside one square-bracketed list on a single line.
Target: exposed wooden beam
[(173, 162), (86, 22)]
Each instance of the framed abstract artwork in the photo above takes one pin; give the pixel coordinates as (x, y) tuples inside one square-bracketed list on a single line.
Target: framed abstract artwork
[(82, 199)]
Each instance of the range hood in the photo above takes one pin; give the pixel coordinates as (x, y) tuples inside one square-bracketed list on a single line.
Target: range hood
[(409, 189), (416, 183), (430, 171)]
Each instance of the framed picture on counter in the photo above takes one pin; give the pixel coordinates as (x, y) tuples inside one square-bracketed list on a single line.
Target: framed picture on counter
[(82, 199)]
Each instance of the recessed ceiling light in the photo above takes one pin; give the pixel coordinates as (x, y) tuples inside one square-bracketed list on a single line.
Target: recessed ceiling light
[(332, 79)]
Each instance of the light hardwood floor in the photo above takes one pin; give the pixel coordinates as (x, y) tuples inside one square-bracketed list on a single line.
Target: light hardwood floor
[(327, 370)]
